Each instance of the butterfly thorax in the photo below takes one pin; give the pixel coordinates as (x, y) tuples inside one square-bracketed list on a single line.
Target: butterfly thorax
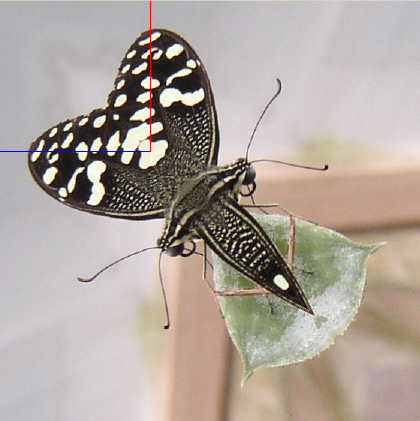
[(196, 195)]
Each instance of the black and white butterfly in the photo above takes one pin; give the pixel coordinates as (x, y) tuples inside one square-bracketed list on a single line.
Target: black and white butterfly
[(151, 152)]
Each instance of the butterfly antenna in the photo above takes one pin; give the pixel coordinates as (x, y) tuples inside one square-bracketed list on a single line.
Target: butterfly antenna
[(114, 263), (262, 115), (306, 167), (168, 321)]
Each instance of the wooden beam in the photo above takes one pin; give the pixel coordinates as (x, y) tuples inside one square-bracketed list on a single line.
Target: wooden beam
[(349, 197), (195, 366)]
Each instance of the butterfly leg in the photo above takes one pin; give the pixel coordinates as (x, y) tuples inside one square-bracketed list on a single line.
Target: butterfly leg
[(205, 263)]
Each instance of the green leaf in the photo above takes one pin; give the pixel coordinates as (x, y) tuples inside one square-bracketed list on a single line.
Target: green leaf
[(270, 332)]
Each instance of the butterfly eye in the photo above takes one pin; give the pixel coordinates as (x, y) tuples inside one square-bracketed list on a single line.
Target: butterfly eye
[(249, 182), (250, 175), (180, 250), (175, 250)]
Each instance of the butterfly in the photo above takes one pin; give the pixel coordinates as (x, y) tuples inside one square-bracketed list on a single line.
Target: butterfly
[(151, 152)]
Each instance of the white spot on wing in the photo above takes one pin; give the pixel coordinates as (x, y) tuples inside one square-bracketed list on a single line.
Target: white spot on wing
[(180, 73), (49, 175), (62, 192), (134, 137), (99, 121), (144, 97), (126, 68), (156, 127), (130, 144), (53, 158), (53, 132), (142, 114), (156, 54), (145, 145), (171, 95), (113, 143), (94, 173), (72, 182), (36, 154), (150, 159), (82, 151), (154, 37), (140, 68), (143, 132), (67, 141), (50, 156), (120, 84), (96, 145), (67, 126), (146, 83), (83, 121), (174, 50), (131, 53), (120, 100), (281, 282), (191, 63), (126, 157)]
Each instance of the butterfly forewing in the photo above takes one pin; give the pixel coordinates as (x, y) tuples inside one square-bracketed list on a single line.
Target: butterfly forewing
[(98, 162), (152, 152)]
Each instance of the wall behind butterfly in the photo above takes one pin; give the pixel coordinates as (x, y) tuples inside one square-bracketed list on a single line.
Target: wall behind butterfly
[(350, 72)]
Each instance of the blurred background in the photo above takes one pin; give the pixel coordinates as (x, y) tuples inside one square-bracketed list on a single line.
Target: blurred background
[(351, 83)]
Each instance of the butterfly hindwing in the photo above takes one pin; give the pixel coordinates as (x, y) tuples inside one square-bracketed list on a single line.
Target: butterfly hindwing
[(106, 163), (238, 239)]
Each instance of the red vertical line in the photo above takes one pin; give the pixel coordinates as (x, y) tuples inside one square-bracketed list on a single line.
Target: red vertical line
[(150, 68)]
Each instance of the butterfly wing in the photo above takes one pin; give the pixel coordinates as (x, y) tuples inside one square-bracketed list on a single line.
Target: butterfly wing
[(107, 163), (237, 238)]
